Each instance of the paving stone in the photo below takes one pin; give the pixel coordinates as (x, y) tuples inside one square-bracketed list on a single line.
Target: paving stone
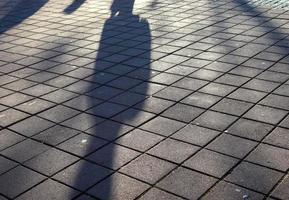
[(133, 117), (217, 89), (35, 106), (139, 140), (15, 179), (215, 120), (247, 95), (154, 105), (195, 135), (231, 106), (82, 174), (109, 130), (14, 99), (49, 190), (162, 126), (245, 71), (232, 80), (9, 138), (186, 183), (201, 100), (156, 194), (182, 112), (285, 122), (270, 156), (55, 135), (190, 83), (254, 177), (118, 187), (31, 126), (282, 90), (206, 74), (6, 164), (276, 101), (265, 114), (104, 92), (231, 145), (11, 116), (281, 191), (24, 150), (147, 168), (148, 88), (173, 150), (82, 144), (50, 161), (113, 156), (211, 163), (173, 93), (250, 129), (59, 96), (128, 98), (82, 121), (261, 85), (224, 190), (82, 102), (107, 109), (58, 114), (279, 137)]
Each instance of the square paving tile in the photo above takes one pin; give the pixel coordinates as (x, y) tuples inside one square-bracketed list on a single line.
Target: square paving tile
[(58, 114), (186, 183), (20, 178), (173, 93), (162, 126), (133, 117), (49, 190), (82, 144), (276, 101), (147, 168), (265, 114), (31, 126), (231, 106), (9, 138), (6, 164), (109, 130), (156, 194), (195, 135), (231, 145), (154, 105), (279, 137), (282, 189), (50, 161), (113, 156), (215, 120), (228, 191), (182, 112), (118, 187), (82, 174), (24, 150), (55, 135), (254, 177), (217, 89), (35, 106), (211, 163), (190, 83), (250, 129), (270, 156), (139, 140), (247, 95), (173, 150), (11, 116), (201, 100)]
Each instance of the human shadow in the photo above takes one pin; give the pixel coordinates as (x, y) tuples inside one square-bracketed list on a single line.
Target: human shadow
[(124, 47), (73, 6), (19, 12)]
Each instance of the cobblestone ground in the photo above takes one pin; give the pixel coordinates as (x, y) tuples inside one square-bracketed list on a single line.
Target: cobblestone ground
[(150, 100)]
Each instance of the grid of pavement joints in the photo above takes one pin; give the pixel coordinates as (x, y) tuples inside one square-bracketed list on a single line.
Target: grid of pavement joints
[(179, 100)]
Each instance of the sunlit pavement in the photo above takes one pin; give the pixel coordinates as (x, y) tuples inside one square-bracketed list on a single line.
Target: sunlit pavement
[(145, 99)]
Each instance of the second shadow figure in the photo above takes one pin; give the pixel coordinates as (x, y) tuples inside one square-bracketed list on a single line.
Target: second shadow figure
[(124, 48)]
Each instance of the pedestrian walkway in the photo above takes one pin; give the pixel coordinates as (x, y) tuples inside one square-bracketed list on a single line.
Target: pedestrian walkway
[(143, 99)]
